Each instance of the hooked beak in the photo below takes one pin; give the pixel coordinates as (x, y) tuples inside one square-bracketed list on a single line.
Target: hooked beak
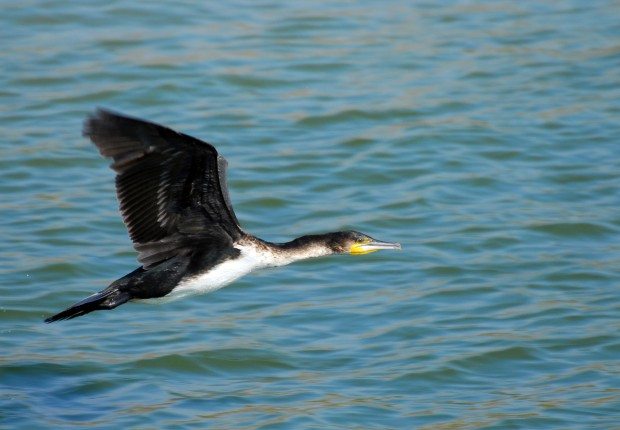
[(372, 246)]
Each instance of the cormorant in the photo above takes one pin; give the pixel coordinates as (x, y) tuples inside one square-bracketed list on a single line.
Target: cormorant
[(173, 198)]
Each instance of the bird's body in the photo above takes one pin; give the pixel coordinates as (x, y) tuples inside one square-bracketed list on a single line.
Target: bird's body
[(173, 198), (254, 255)]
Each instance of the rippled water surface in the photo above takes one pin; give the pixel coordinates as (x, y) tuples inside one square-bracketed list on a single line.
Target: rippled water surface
[(484, 136)]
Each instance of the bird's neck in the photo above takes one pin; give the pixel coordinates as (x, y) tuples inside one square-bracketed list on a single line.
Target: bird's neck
[(302, 248), (305, 247)]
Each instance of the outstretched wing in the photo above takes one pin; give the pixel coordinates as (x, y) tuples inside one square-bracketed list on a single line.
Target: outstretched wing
[(171, 187)]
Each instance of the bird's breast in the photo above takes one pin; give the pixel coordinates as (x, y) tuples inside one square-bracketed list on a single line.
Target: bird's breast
[(219, 275)]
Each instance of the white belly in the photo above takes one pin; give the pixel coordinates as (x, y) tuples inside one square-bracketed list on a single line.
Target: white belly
[(219, 276)]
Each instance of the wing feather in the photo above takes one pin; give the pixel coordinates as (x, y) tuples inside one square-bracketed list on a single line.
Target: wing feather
[(171, 187)]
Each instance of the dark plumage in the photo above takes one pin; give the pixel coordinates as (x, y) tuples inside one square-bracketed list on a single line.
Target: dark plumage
[(173, 197)]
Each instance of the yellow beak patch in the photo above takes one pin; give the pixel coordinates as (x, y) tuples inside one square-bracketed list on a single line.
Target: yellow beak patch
[(360, 249)]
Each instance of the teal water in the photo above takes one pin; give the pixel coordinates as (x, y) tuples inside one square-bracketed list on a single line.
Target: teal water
[(481, 135)]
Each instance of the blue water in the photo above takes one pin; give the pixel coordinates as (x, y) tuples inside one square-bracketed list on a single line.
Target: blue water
[(481, 135)]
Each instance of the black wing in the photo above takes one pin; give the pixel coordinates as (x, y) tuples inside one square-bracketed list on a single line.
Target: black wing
[(171, 187)]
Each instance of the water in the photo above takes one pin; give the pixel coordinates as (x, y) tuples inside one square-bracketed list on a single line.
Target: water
[(481, 135)]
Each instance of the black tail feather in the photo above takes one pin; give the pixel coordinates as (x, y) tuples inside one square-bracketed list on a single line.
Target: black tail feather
[(106, 299)]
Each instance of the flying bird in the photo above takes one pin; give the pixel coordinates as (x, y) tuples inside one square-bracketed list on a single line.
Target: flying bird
[(173, 198)]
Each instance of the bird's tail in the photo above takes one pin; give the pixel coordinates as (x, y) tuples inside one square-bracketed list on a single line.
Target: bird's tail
[(106, 299)]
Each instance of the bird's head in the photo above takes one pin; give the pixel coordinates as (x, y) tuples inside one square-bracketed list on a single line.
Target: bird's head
[(356, 243)]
